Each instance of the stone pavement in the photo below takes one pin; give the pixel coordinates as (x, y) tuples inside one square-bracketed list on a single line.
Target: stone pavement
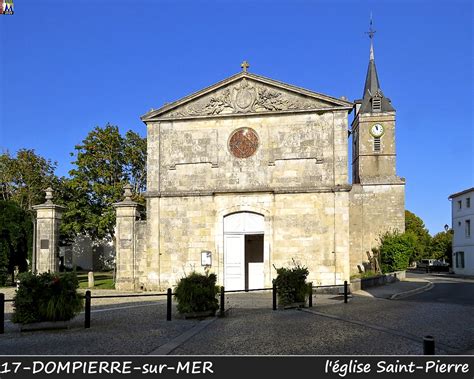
[(366, 325)]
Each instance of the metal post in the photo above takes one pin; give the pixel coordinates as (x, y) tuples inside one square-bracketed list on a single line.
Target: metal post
[(274, 295), (87, 311), (168, 304), (2, 311), (345, 291), (222, 302), (428, 345), (310, 299)]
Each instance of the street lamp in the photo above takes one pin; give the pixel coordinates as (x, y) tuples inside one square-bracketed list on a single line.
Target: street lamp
[(446, 227)]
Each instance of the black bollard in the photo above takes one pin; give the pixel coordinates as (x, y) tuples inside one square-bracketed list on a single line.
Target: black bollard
[(345, 291), (87, 311), (168, 304), (222, 304), (428, 345), (310, 299), (274, 295), (2, 311)]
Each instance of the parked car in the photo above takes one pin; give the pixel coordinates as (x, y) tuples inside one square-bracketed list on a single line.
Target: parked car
[(432, 265)]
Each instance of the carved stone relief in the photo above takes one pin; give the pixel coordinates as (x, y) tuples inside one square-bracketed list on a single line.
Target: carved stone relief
[(245, 96)]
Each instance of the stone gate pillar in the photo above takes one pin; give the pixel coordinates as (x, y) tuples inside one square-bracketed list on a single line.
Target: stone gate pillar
[(46, 251), (125, 242)]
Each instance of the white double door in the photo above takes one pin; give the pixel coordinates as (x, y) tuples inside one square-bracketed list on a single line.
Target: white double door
[(236, 228), (234, 247)]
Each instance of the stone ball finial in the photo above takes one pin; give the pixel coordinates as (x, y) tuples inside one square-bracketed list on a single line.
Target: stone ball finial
[(127, 192), (49, 195)]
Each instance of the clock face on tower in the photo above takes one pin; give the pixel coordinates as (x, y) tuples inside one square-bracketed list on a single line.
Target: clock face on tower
[(377, 130)]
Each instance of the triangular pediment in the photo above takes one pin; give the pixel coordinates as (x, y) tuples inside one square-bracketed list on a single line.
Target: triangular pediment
[(246, 93)]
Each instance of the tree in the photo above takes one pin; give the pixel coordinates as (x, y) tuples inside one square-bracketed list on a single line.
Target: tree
[(395, 250), (105, 161), (16, 232), (416, 226), (135, 163), (24, 178), (442, 246)]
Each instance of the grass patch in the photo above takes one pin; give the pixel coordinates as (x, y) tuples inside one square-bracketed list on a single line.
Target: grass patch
[(102, 280), (365, 274)]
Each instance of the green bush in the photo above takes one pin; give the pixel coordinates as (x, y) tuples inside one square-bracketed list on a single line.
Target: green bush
[(396, 250), (197, 293), (365, 274), (291, 284), (46, 297)]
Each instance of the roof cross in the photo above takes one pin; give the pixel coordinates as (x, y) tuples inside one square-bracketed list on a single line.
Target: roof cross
[(245, 65), (371, 31)]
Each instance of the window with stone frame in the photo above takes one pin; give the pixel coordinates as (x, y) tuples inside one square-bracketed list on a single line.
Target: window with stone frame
[(468, 228), (468, 202)]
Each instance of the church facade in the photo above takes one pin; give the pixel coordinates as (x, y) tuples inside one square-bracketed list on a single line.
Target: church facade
[(251, 174)]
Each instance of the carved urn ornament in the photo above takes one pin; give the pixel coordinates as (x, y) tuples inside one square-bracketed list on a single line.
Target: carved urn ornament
[(243, 143), (49, 195)]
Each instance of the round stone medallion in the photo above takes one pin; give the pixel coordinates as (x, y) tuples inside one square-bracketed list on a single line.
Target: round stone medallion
[(243, 143)]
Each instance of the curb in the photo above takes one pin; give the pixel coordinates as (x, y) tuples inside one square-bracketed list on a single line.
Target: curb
[(415, 291)]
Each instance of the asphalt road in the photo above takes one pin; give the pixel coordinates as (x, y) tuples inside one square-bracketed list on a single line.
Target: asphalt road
[(447, 289)]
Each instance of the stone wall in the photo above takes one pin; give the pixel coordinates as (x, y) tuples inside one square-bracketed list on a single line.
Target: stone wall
[(374, 210), (295, 151), (297, 179), (303, 227)]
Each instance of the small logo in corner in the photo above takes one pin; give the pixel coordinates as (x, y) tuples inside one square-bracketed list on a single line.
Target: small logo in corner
[(6, 7)]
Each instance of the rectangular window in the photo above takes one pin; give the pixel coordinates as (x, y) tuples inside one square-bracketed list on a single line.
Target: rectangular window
[(376, 143), (460, 259), (468, 228), (468, 202), (459, 204)]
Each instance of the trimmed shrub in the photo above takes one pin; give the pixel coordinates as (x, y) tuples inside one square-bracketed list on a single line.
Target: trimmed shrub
[(197, 293), (291, 284), (396, 250), (46, 297)]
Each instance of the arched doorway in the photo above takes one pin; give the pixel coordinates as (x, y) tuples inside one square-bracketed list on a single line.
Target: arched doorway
[(243, 251)]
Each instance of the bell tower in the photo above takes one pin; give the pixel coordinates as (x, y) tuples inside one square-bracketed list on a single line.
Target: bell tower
[(373, 131), (377, 198)]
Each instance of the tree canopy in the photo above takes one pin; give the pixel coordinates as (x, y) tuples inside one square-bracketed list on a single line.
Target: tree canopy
[(104, 162), (16, 230), (442, 246), (24, 178), (415, 226)]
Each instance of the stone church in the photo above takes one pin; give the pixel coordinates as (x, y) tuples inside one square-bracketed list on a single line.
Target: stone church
[(250, 174)]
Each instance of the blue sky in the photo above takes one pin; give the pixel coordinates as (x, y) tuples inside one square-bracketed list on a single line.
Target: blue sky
[(68, 66)]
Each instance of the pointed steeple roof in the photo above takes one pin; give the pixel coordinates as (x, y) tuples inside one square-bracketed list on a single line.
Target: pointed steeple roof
[(372, 88)]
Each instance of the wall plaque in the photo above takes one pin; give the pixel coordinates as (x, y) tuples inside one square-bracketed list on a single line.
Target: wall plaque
[(44, 244), (243, 143)]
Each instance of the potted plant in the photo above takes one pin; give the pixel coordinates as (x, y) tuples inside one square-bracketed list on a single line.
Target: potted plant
[(196, 295), (292, 288), (46, 300)]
